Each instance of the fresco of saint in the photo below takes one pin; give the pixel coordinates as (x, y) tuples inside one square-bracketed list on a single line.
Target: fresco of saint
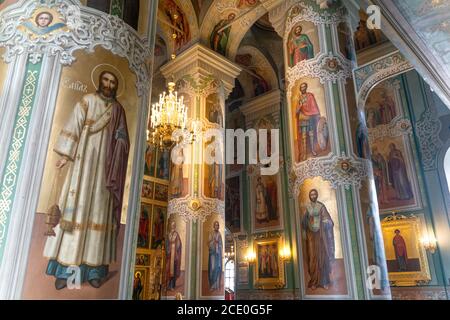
[(219, 39), (319, 239), (173, 256), (299, 46), (94, 143), (312, 132), (401, 254), (215, 246), (398, 176)]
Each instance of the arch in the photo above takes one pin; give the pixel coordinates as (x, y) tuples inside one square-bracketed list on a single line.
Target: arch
[(188, 13), (247, 12), (255, 67), (447, 167)]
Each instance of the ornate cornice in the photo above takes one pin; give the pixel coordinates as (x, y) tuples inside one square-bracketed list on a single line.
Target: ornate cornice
[(85, 29), (398, 128), (202, 61), (338, 170), (195, 209), (367, 76)]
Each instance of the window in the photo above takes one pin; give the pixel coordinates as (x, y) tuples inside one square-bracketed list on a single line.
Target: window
[(229, 275)]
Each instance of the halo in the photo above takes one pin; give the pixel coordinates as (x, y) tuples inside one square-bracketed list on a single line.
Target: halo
[(95, 74), (138, 273)]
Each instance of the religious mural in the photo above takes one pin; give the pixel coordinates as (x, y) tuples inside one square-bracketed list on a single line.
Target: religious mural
[(406, 258), (150, 160), (43, 22), (85, 181), (233, 207), (143, 239), (139, 284), (213, 111), (323, 260), (269, 267), (365, 37), (266, 203), (219, 37), (147, 190), (345, 39), (213, 248), (394, 174), (310, 127), (161, 192), (163, 164), (176, 17), (302, 43), (214, 173), (381, 107), (175, 259), (158, 227)]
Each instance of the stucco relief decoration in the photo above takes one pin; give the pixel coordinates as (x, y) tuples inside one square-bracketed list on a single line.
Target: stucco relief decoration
[(195, 209), (81, 30), (326, 67), (428, 128), (304, 12), (396, 129), (339, 171), (369, 75)]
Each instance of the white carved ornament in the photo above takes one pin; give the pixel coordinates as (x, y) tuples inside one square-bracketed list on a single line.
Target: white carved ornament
[(428, 128), (319, 67), (398, 128), (195, 209), (330, 170), (85, 30), (303, 12)]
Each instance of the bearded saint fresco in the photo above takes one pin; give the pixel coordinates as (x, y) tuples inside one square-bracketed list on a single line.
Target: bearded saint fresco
[(94, 144), (173, 256), (299, 46), (319, 239)]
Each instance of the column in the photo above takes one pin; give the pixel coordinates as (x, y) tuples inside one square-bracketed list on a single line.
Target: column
[(62, 72), (332, 185), (196, 211)]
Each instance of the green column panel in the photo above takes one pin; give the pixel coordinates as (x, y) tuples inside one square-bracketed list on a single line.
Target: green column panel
[(11, 169)]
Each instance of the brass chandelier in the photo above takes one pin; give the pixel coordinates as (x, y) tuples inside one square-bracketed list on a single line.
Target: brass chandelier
[(167, 115)]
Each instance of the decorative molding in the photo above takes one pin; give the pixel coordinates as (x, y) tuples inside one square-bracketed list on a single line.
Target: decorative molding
[(319, 67), (366, 77), (204, 62), (85, 30), (400, 127), (16, 148), (197, 209), (316, 15), (428, 128), (339, 171)]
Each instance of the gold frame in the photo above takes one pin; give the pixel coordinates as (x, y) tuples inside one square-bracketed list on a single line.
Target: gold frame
[(263, 283), (408, 278)]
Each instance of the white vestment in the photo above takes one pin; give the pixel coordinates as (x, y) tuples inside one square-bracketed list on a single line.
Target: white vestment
[(92, 240)]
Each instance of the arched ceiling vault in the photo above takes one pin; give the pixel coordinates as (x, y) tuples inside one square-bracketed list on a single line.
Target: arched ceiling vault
[(186, 23), (246, 13)]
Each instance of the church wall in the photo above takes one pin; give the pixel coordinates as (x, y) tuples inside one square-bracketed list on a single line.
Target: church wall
[(414, 128), (45, 89)]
